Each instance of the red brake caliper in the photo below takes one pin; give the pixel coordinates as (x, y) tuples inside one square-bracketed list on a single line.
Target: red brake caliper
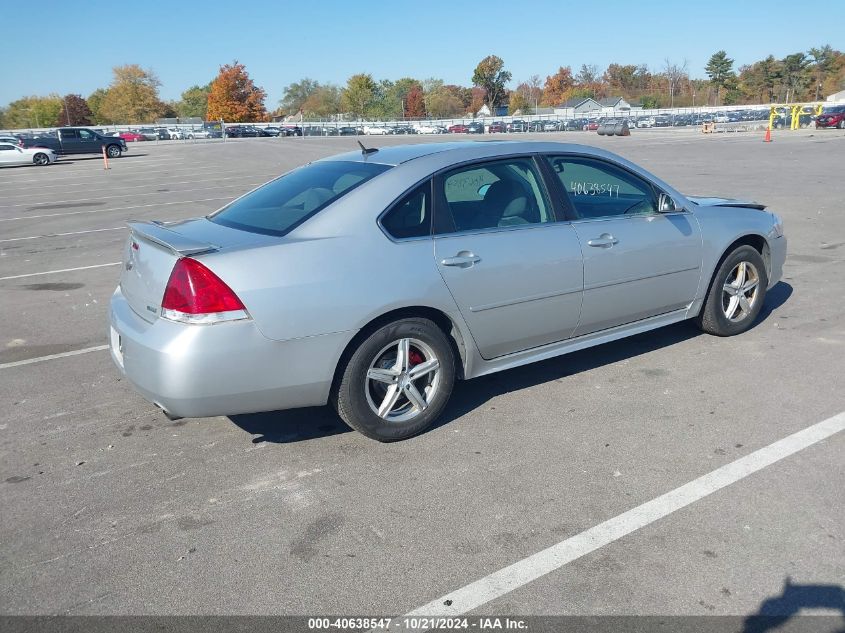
[(414, 357)]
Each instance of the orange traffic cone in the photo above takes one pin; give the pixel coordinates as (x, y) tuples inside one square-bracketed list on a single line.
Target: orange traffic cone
[(768, 137)]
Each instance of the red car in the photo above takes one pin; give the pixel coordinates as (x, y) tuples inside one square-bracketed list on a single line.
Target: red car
[(497, 127), (592, 126), (460, 128), (131, 136), (833, 116)]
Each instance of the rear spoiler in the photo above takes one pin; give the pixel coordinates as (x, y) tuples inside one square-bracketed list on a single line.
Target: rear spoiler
[(176, 242)]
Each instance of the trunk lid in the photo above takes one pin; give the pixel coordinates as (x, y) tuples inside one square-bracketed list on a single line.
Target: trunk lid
[(153, 248)]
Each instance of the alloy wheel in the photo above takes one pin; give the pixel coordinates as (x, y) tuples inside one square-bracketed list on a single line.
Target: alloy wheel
[(740, 291), (402, 380)]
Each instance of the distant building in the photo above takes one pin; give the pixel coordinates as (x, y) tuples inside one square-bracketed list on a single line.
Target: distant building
[(501, 110), (616, 103), (836, 97)]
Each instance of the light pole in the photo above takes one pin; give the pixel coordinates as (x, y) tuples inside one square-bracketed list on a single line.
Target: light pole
[(67, 113)]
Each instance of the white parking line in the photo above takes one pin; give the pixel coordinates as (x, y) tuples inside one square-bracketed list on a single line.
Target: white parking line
[(61, 270), (137, 206), (553, 558), (38, 237), (39, 359)]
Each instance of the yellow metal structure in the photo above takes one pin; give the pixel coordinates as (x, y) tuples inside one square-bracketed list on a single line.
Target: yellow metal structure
[(794, 112)]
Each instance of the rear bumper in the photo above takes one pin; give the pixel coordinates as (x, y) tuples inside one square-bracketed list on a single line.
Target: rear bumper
[(223, 369)]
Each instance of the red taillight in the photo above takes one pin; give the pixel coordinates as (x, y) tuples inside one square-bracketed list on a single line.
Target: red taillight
[(194, 289)]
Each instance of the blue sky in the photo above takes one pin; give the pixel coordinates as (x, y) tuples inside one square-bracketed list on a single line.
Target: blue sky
[(70, 46)]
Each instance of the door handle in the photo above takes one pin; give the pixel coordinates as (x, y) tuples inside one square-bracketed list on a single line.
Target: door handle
[(605, 240), (464, 259)]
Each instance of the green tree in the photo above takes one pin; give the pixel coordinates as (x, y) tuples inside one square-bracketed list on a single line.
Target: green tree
[(359, 94), (33, 112), (324, 102), (75, 111), (132, 96), (720, 70), (492, 77), (194, 102), (296, 94), (823, 60), (796, 76), (95, 102)]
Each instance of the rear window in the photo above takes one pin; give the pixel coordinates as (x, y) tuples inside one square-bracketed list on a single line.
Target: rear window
[(282, 204)]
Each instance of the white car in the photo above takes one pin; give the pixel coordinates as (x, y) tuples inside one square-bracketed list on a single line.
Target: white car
[(721, 118), (199, 134), (645, 122), (372, 129), (426, 129), (175, 134), (13, 155)]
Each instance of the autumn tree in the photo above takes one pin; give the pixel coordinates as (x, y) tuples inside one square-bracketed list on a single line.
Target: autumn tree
[(194, 102), (358, 95), (75, 111), (558, 87), (478, 97), (720, 70), (415, 103), (132, 96), (518, 102), (442, 101), (33, 112), (491, 76), (234, 97)]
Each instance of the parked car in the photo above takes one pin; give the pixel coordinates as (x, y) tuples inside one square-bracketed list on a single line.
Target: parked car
[(517, 125), (497, 127), (458, 128), (475, 128), (721, 118), (376, 129), (662, 120), (645, 121), (199, 133), (295, 130), (13, 154), (204, 324), (176, 134), (592, 125), (148, 133), (551, 126), (77, 140), (832, 116), (163, 134), (131, 137), (348, 130)]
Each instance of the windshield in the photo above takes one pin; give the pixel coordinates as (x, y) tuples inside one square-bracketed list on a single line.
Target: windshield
[(282, 204)]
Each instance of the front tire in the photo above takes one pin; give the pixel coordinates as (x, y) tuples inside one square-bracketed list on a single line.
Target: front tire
[(41, 159), (736, 293), (113, 151), (397, 381)]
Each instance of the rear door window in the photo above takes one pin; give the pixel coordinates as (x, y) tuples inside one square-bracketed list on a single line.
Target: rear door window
[(286, 202)]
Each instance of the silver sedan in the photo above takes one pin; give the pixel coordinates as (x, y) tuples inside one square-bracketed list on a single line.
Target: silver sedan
[(374, 280)]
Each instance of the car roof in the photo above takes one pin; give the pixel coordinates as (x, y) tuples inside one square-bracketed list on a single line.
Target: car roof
[(456, 152)]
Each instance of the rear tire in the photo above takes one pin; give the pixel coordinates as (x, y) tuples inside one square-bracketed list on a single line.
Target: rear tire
[(736, 294), (41, 159), (113, 151), (397, 382)]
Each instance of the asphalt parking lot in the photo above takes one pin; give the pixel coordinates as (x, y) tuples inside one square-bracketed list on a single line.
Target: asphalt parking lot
[(109, 508)]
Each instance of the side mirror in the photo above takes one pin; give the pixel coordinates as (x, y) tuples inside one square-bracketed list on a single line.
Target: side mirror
[(665, 204)]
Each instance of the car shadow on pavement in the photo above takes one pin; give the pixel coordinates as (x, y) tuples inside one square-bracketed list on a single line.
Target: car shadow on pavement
[(296, 425), (774, 612)]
